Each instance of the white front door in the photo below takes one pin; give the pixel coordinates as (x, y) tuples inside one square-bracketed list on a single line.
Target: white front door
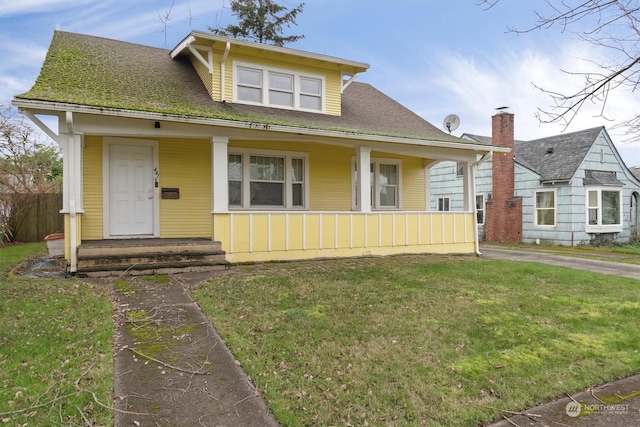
[(131, 190)]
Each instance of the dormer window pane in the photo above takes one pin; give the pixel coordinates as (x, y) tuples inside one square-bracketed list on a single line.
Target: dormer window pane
[(250, 85), (279, 81), (310, 86), (281, 89), (250, 77), (310, 93), (310, 102)]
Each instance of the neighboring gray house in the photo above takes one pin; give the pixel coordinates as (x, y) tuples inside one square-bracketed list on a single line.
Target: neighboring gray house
[(564, 189)]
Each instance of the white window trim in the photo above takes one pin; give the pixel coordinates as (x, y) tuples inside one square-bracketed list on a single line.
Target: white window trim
[(443, 198), (375, 200), (555, 207), (246, 154), (603, 228), (265, 86)]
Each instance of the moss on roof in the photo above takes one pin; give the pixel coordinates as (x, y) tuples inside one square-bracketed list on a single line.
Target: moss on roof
[(104, 73)]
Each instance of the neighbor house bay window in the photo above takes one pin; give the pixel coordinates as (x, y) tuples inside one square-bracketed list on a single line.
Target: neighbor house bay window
[(267, 180), (604, 210), (545, 208), (385, 183)]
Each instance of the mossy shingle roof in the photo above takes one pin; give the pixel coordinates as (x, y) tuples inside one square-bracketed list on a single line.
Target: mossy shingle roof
[(555, 157), (98, 72)]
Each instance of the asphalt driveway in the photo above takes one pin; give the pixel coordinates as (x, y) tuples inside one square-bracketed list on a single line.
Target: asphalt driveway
[(573, 260)]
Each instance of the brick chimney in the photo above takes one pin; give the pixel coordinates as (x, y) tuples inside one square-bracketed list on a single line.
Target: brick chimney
[(503, 221)]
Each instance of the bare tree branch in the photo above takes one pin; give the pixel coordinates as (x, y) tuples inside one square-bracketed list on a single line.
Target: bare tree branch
[(614, 26)]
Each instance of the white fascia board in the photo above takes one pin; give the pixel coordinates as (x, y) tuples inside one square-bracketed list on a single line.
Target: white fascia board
[(45, 106), (184, 44), (277, 49)]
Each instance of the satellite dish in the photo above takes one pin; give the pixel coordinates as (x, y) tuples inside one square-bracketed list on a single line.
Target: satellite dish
[(451, 122)]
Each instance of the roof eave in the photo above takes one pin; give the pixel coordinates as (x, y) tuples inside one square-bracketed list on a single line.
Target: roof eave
[(359, 66), (237, 124)]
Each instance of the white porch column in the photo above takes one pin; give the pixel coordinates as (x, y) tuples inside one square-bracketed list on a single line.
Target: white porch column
[(363, 159), (469, 184), (219, 174), (72, 197)]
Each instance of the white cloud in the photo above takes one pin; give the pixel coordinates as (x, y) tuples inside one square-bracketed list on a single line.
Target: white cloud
[(23, 7), (473, 86)]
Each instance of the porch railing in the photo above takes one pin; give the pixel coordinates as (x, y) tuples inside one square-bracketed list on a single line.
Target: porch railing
[(259, 235)]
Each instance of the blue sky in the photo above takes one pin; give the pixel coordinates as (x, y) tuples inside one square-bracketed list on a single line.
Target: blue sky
[(437, 57)]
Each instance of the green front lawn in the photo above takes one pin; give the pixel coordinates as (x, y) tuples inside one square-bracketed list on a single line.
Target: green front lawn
[(422, 340), (56, 348)]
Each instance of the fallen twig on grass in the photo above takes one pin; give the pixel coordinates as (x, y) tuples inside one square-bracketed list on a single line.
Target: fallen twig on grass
[(525, 414), (95, 398)]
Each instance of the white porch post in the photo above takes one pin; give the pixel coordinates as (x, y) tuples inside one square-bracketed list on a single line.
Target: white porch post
[(219, 174), (469, 184), (72, 198), (363, 159)]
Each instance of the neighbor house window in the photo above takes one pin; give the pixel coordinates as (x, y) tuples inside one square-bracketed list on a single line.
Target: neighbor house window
[(278, 88), (444, 204), (261, 180), (604, 209), (480, 209), (545, 206), (385, 183)]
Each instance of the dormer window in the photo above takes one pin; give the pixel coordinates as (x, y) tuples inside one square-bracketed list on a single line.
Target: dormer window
[(278, 88)]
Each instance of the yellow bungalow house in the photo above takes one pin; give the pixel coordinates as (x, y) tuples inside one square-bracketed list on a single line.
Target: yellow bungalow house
[(251, 147)]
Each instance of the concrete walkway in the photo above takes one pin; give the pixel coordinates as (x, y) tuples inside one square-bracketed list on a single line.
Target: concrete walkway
[(171, 366)]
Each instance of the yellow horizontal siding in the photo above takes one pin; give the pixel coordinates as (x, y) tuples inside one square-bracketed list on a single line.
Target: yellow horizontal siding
[(186, 165), (92, 224), (207, 78), (413, 184)]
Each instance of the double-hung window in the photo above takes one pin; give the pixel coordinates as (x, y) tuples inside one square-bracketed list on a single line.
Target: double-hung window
[(545, 207), (444, 204), (480, 209), (385, 183), (267, 180), (604, 210), (260, 85)]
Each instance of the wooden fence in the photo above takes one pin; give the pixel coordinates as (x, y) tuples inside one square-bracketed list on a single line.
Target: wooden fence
[(43, 218)]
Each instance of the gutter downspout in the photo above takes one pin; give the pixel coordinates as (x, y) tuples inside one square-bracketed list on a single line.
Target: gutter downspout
[(474, 170), (222, 72), (73, 232)]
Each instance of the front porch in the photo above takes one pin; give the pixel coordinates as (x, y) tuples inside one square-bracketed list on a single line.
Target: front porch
[(148, 256)]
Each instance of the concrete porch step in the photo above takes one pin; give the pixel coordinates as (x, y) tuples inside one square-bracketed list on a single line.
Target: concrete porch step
[(148, 256)]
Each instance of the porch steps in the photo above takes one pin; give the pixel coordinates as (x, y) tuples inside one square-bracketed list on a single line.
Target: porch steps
[(102, 258)]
